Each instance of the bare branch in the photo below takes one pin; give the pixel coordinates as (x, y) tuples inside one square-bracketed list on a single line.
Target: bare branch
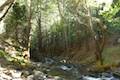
[(8, 2), (1, 18)]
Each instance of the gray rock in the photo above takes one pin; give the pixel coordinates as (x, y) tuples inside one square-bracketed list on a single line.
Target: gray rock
[(30, 77), (66, 68), (49, 61)]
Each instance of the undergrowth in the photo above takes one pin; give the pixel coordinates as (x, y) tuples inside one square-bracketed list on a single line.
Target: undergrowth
[(17, 60)]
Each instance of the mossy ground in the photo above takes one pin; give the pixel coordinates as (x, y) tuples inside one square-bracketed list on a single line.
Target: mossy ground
[(111, 55)]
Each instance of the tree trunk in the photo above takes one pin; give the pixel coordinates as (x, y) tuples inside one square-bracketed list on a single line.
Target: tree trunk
[(99, 49), (28, 29), (99, 43)]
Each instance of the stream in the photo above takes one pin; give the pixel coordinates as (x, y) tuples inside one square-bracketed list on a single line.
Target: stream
[(50, 69), (65, 71)]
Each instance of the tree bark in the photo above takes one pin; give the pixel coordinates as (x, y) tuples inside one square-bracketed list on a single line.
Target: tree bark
[(28, 30), (99, 42), (29, 27)]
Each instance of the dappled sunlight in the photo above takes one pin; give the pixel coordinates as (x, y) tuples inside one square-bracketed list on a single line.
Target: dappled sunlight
[(2, 2), (99, 3), (2, 29), (59, 39)]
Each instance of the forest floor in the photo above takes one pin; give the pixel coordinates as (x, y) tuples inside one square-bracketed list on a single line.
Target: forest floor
[(111, 55)]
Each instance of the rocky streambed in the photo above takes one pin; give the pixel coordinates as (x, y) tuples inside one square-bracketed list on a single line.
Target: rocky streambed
[(50, 69)]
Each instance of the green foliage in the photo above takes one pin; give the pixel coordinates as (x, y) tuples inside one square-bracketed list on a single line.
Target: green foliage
[(18, 60), (112, 17), (16, 16), (59, 32), (19, 12), (111, 55), (58, 28), (15, 24), (2, 53)]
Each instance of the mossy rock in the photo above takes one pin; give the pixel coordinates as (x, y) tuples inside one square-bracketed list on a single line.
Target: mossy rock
[(61, 73)]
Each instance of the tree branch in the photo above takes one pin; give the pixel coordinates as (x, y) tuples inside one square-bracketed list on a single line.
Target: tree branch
[(4, 5)]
